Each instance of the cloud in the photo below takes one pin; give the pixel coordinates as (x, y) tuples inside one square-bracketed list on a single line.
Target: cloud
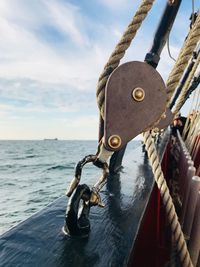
[(67, 18), (118, 4), (84, 127), (52, 53), (31, 95), (4, 111), (88, 123), (25, 53)]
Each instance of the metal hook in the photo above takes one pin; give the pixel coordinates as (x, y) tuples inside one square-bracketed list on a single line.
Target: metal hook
[(75, 224), (79, 225), (100, 183)]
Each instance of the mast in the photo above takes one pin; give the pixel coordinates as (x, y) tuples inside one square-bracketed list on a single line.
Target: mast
[(162, 32)]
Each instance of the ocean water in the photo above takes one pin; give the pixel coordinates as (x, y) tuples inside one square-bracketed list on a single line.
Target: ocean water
[(35, 173)]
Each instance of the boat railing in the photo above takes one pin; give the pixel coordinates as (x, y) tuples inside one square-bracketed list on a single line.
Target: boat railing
[(189, 189), (194, 242)]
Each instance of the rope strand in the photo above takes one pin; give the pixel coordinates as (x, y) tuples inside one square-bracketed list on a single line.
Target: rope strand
[(120, 50), (181, 99), (183, 58), (167, 200)]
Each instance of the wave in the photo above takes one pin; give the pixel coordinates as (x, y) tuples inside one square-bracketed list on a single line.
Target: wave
[(31, 156), (60, 167), (26, 157), (33, 173), (6, 166), (30, 150), (8, 184)]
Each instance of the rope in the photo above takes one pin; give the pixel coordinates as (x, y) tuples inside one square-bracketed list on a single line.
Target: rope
[(174, 77), (195, 149), (167, 200), (162, 185), (187, 123), (193, 121), (120, 50), (181, 99), (151, 149), (194, 129), (183, 58)]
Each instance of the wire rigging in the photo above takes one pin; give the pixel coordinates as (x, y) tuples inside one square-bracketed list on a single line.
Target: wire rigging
[(169, 52)]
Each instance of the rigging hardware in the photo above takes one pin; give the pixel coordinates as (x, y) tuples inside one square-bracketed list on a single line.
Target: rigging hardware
[(121, 112)]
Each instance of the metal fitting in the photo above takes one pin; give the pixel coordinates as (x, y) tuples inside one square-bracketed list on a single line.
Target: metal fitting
[(114, 141), (138, 94)]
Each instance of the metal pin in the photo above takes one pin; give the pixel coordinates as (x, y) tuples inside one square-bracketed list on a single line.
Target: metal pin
[(114, 141), (138, 94)]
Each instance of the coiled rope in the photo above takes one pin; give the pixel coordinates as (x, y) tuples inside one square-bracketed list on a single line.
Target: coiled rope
[(183, 58), (120, 50), (112, 63)]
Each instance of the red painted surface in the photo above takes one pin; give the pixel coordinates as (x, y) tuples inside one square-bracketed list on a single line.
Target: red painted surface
[(196, 146), (152, 245)]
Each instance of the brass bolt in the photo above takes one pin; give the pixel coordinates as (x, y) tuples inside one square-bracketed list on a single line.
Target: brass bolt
[(114, 141), (138, 94)]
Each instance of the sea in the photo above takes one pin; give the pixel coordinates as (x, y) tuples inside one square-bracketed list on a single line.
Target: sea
[(35, 173)]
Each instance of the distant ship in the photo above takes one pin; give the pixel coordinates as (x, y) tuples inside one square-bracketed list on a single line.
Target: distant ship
[(50, 139)]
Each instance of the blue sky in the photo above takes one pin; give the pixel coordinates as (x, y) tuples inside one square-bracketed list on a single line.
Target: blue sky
[(51, 54)]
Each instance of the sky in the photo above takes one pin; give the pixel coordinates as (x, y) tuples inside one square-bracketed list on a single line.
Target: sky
[(52, 53)]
